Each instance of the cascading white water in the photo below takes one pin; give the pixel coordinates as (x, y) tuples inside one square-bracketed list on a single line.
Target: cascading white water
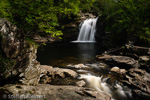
[(117, 91), (87, 31)]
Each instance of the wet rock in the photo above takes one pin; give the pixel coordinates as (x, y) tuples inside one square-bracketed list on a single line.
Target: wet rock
[(81, 83), (139, 81), (133, 73), (115, 69), (65, 72), (51, 92), (145, 63), (96, 94), (144, 59), (19, 51), (46, 69), (137, 50), (121, 61), (117, 73), (48, 73), (118, 70)]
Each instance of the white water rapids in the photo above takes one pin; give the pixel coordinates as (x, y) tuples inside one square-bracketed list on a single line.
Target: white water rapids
[(102, 84)]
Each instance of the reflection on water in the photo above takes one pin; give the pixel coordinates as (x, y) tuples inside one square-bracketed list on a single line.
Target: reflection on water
[(86, 51), (60, 54)]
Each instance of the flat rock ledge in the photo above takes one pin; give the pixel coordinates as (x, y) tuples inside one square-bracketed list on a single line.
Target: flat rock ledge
[(50, 92), (77, 66), (122, 61)]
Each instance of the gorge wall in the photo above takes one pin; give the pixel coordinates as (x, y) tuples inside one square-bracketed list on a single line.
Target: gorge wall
[(21, 53)]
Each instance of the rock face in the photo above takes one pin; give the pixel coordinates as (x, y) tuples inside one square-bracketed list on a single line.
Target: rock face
[(50, 92), (19, 51)]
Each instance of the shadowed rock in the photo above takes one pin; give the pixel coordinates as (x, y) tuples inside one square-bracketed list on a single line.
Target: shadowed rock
[(139, 81), (121, 61), (19, 51)]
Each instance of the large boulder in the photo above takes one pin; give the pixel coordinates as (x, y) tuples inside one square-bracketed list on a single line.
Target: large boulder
[(21, 52), (48, 73)]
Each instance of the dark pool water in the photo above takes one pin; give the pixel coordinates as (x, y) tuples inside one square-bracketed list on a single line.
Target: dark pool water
[(63, 53)]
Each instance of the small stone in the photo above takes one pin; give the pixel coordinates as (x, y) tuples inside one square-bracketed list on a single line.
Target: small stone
[(115, 69), (144, 58), (81, 83), (118, 70)]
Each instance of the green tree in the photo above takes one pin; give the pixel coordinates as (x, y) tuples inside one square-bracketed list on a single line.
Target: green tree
[(87, 5), (4, 6), (128, 20), (33, 16)]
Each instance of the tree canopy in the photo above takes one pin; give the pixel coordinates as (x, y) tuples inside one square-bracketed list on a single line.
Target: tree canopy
[(41, 15), (127, 20)]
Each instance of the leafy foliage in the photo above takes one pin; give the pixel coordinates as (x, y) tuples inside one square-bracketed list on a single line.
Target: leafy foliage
[(128, 20), (87, 5), (38, 15), (4, 6)]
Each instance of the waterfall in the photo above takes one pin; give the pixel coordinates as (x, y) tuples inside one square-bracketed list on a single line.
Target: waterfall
[(87, 30)]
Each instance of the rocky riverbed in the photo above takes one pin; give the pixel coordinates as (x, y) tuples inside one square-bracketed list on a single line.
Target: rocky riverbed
[(131, 66)]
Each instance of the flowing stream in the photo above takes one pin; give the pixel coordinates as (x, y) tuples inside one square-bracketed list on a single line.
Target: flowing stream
[(96, 74)]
